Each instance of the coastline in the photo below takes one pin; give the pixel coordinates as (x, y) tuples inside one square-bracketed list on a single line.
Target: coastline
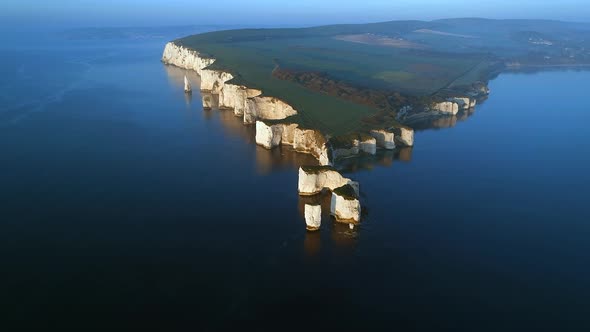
[(271, 117)]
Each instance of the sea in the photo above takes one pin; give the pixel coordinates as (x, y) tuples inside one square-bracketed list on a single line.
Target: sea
[(124, 205)]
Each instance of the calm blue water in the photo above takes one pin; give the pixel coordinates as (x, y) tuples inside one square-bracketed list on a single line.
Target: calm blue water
[(124, 204)]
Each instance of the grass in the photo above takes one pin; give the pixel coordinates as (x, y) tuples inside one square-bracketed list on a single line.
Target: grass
[(347, 192), (317, 169), (446, 62)]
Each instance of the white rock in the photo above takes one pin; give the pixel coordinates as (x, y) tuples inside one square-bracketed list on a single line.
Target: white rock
[(404, 136), (187, 85), (464, 103), (236, 97), (445, 107), (313, 142), (312, 180), (345, 209), (250, 104), (267, 108), (268, 136), (368, 145), (384, 138), (288, 136), (214, 80), (185, 58), (313, 217)]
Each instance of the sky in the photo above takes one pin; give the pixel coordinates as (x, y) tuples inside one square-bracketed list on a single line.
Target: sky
[(276, 12)]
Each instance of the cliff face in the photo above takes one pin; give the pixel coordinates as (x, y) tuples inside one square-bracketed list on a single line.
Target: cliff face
[(313, 217), (445, 107), (312, 180), (302, 140), (345, 209), (218, 91), (185, 58), (244, 101), (404, 136), (384, 139)]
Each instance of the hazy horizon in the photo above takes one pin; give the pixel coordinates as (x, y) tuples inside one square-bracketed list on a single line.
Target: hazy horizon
[(134, 13)]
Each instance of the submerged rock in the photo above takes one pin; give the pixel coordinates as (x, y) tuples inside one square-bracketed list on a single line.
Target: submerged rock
[(345, 206), (313, 217)]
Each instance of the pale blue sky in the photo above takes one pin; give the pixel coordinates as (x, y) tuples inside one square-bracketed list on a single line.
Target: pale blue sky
[(276, 12)]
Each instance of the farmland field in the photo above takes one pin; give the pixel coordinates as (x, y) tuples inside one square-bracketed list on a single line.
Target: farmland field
[(412, 58)]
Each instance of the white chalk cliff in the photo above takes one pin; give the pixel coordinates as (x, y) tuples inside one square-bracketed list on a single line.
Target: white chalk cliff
[(345, 208), (313, 217), (445, 107), (249, 104), (244, 101), (464, 103), (308, 141), (312, 180), (403, 136), (384, 139)]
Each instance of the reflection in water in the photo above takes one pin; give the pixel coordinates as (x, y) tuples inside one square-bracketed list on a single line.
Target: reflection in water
[(282, 157), (383, 158), (312, 243), (342, 237), (234, 126), (176, 77), (188, 98)]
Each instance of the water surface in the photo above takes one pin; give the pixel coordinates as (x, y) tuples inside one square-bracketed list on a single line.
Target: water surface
[(125, 204)]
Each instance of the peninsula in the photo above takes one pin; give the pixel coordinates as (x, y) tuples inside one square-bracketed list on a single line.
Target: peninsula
[(344, 90)]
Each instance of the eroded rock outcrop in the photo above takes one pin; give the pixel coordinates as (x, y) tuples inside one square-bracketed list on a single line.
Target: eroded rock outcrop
[(244, 101), (235, 97), (351, 145), (267, 108), (308, 141), (403, 136), (368, 144), (313, 217), (464, 103), (384, 139), (345, 206), (185, 58), (445, 107), (313, 142), (268, 136), (314, 179)]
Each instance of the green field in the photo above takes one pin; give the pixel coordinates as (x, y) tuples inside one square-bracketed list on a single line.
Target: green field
[(442, 55)]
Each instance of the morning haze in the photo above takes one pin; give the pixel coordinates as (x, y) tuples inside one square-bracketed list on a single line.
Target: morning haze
[(269, 12)]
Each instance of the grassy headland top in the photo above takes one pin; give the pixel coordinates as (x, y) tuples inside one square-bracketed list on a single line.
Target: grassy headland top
[(338, 77)]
